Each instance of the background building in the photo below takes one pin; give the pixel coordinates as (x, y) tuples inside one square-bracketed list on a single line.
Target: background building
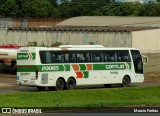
[(138, 32)]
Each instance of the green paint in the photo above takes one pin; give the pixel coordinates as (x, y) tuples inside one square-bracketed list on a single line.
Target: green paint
[(26, 68), (26, 56), (43, 68), (86, 74), (67, 67), (48, 68), (118, 66), (82, 67)]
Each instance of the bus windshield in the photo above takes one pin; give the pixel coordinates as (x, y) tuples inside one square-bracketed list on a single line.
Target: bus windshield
[(137, 60)]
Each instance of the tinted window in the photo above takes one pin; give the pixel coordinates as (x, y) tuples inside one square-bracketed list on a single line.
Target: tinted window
[(117, 56), (96, 56), (85, 56), (137, 60)]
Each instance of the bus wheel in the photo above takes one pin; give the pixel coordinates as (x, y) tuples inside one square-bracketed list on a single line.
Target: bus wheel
[(71, 83), (41, 88), (60, 84), (125, 81), (107, 85)]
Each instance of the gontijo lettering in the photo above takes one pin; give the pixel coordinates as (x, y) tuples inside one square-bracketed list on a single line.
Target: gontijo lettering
[(115, 66), (22, 56)]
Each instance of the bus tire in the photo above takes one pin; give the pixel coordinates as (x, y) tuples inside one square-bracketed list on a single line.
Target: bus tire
[(60, 84), (125, 81), (41, 88), (71, 83)]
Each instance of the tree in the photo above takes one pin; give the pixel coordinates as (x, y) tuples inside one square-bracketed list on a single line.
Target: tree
[(9, 8), (65, 8), (150, 9), (38, 8)]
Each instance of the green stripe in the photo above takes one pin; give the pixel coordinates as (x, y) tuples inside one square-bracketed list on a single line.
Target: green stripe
[(82, 67), (25, 56), (43, 68), (67, 67), (118, 66), (26, 68), (86, 74)]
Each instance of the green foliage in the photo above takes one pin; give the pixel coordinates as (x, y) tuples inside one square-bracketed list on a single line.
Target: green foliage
[(32, 44), (119, 9), (37, 8), (151, 9), (9, 8), (42, 44), (91, 43), (72, 8), (29, 8), (56, 44)]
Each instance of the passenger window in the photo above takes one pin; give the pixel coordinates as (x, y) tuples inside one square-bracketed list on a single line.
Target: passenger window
[(97, 56), (109, 56), (123, 56)]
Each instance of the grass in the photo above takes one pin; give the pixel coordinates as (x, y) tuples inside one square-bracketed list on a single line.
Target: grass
[(82, 98)]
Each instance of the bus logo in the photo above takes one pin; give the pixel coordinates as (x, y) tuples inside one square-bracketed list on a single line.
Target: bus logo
[(115, 66), (26, 56)]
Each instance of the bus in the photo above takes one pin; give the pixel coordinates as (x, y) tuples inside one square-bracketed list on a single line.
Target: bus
[(68, 66)]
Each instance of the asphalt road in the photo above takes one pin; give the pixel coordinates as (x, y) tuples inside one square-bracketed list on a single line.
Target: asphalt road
[(8, 85)]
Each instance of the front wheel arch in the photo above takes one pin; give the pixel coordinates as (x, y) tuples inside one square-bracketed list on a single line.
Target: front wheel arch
[(126, 81)]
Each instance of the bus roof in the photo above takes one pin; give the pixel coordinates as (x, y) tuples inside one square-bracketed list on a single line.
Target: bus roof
[(81, 46), (76, 48)]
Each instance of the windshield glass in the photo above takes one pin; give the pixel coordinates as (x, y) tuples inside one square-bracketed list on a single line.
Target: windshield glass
[(137, 60)]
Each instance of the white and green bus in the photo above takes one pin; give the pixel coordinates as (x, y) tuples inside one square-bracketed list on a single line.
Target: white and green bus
[(66, 67)]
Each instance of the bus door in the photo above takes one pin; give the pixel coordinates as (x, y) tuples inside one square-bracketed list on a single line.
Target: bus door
[(138, 65)]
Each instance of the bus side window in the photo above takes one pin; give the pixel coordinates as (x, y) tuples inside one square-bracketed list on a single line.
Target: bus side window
[(119, 59), (125, 58), (106, 57), (96, 59), (86, 57), (109, 56), (58, 59), (111, 59), (48, 57), (66, 57), (71, 57), (42, 56), (80, 59)]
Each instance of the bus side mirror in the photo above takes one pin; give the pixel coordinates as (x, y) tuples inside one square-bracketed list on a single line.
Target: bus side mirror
[(144, 59)]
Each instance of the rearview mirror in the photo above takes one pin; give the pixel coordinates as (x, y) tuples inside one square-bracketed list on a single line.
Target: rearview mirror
[(144, 59)]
